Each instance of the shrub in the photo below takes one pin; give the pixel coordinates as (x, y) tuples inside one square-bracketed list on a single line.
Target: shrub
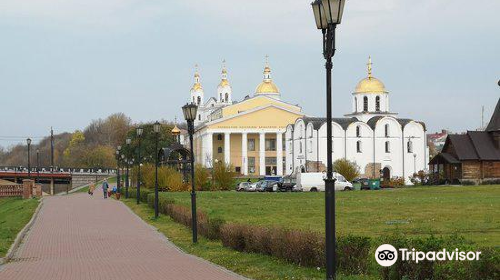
[(491, 182), (394, 182), (132, 193), (468, 183), (223, 176), (353, 254), (347, 168), (201, 178)]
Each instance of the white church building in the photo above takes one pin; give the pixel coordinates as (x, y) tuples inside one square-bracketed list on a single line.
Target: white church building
[(378, 141)]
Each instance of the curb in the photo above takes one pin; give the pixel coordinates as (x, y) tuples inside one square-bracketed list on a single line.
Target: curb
[(20, 236), (168, 242)]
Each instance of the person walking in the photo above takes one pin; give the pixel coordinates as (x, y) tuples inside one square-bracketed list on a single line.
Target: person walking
[(105, 187), (91, 189)]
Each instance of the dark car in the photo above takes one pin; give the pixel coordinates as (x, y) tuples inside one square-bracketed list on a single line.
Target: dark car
[(266, 185), (287, 184)]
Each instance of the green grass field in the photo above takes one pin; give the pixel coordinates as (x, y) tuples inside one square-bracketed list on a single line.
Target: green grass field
[(15, 213), (254, 266), (469, 211)]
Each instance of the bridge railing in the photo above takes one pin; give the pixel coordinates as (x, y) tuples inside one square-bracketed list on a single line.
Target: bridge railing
[(48, 170)]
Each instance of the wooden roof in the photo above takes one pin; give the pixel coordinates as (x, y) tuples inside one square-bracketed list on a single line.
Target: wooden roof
[(494, 124), (475, 145)]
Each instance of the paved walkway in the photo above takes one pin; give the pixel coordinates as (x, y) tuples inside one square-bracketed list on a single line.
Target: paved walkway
[(80, 237)]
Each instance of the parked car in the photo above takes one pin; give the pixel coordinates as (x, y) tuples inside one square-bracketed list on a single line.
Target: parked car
[(242, 186), (287, 184), (252, 187), (271, 186), (314, 182)]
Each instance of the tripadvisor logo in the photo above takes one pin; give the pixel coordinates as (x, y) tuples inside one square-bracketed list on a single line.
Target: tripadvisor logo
[(387, 255)]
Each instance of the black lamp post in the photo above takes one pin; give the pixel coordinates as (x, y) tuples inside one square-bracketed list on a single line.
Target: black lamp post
[(139, 131), (328, 14), (118, 179), (189, 111), (28, 141), (156, 129), (128, 141), (37, 165)]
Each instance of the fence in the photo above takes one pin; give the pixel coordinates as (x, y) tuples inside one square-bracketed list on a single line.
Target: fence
[(11, 190)]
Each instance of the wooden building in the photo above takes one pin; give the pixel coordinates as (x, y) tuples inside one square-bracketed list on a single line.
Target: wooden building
[(474, 156)]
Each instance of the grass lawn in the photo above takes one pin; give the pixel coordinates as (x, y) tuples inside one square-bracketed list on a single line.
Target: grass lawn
[(470, 211), (254, 266), (15, 213)]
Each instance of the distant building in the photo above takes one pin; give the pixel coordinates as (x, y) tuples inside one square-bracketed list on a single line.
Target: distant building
[(438, 139), (474, 156), (372, 136)]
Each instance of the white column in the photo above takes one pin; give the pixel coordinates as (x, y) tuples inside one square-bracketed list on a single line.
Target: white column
[(262, 153), (244, 153), (279, 154), (208, 148), (227, 147)]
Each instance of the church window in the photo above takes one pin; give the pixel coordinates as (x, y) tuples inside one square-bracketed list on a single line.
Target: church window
[(365, 104), (387, 147), (251, 144), (199, 100), (219, 150), (310, 146), (219, 137), (410, 147), (300, 148), (358, 131), (220, 97), (227, 97), (358, 147), (386, 127), (199, 117), (377, 103), (355, 104)]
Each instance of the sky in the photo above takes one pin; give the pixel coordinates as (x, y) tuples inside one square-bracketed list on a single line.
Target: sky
[(64, 63)]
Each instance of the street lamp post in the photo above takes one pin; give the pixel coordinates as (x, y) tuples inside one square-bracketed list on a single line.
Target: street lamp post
[(28, 141), (139, 132), (414, 163), (37, 165), (328, 14), (128, 141), (118, 179), (156, 128), (189, 111)]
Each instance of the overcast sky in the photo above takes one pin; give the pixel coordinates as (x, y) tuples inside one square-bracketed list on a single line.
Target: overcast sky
[(66, 62)]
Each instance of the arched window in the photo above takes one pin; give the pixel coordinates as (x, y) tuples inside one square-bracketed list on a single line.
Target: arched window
[(365, 104), (220, 98), (387, 147), (219, 150), (219, 137), (358, 131), (355, 104), (358, 147), (410, 147), (377, 103), (300, 148), (199, 117), (386, 127), (199, 100), (227, 97)]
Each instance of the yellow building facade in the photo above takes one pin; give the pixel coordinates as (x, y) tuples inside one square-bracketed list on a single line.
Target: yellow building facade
[(248, 135)]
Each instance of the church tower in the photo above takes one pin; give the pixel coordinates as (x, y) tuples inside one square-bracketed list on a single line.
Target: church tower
[(197, 95), (370, 98), (224, 90), (267, 87)]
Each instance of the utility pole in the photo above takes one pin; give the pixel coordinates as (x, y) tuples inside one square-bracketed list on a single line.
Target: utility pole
[(52, 161), (482, 117)]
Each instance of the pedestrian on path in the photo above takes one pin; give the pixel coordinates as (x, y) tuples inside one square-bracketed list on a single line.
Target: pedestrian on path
[(91, 189), (105, 187)]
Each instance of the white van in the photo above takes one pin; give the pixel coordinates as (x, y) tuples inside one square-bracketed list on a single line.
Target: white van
[(314, 182)]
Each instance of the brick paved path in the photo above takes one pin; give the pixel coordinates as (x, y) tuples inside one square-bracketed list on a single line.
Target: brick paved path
[(79, 237)]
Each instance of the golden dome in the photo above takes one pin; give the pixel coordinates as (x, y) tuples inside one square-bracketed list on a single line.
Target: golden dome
[(176, 130), (267, 87), (370, 84), (224, 83), (196, 86)]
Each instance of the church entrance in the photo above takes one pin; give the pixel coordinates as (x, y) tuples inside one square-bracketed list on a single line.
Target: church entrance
[(271, 170), (386, 174)]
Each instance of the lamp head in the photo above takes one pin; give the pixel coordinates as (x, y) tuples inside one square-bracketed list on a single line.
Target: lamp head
[(139, 131), (190, 111), (128, 141), (156, 127), (28, 141)]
